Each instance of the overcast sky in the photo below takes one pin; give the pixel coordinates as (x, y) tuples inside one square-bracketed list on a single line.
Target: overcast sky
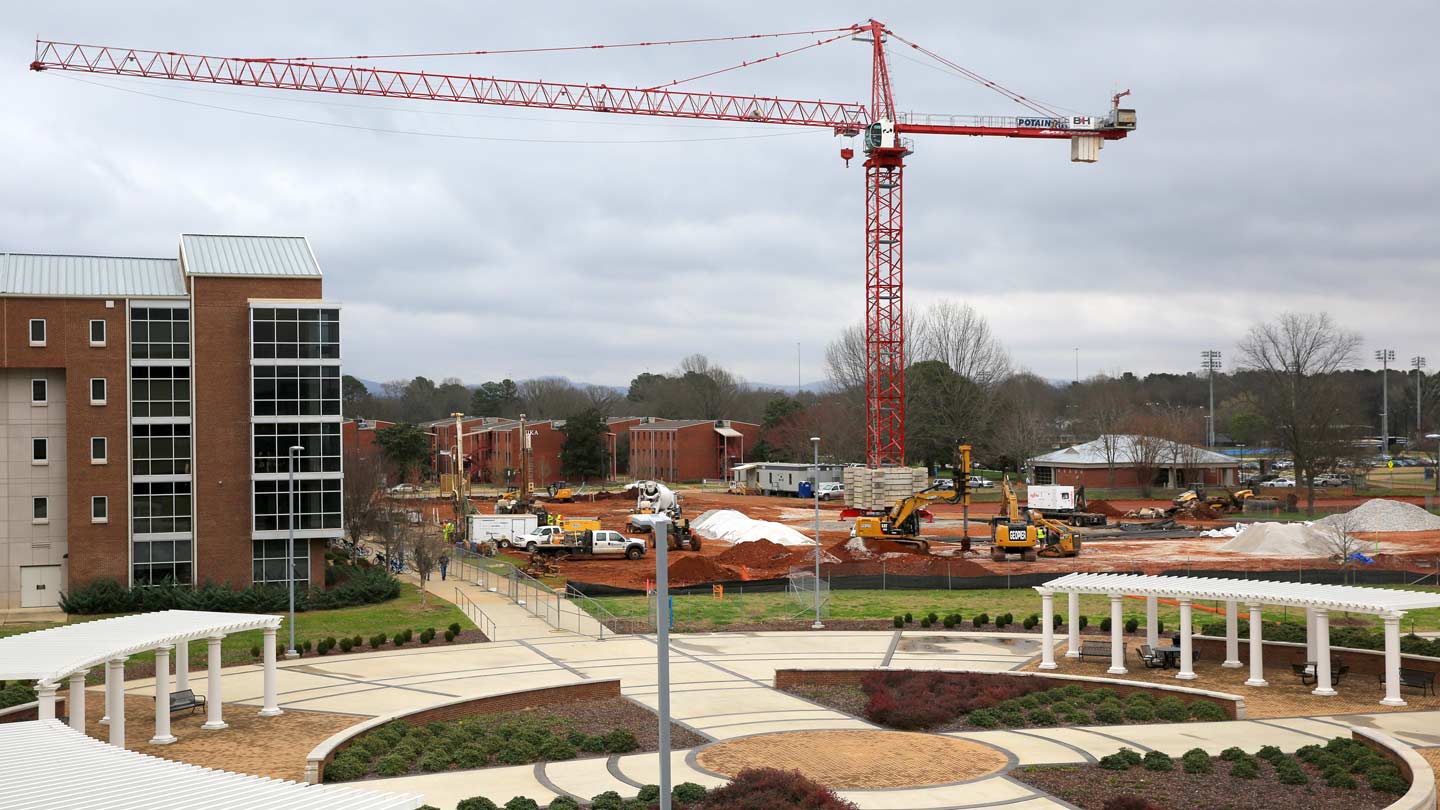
[(1285, 158)]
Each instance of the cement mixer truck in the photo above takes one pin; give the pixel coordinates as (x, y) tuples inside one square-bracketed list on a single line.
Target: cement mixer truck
[(654, 501)]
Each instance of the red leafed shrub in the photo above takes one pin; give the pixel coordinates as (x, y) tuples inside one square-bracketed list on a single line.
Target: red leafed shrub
[(772, 789), (1130, 803), (907, 699)]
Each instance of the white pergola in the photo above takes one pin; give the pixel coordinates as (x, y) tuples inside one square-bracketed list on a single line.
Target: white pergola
[(1317, 600), (52, 656), (51, 767)]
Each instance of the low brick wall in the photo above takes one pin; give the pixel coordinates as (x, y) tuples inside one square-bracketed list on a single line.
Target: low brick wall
[(460, 709), (29, 711), (1232, 705), (1421, 795), (1361, 662)]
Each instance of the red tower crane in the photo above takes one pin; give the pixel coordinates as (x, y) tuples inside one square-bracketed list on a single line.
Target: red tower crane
[(881, 125)]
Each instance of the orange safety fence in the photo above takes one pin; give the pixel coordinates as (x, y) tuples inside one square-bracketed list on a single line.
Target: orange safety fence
[(1176, 603)]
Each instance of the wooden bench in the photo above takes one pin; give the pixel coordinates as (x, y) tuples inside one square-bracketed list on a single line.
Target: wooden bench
[(1094, 649), (186, 699), (1421, 679)]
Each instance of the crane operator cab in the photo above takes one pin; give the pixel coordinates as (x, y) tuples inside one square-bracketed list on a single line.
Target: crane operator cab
[(880, 135)]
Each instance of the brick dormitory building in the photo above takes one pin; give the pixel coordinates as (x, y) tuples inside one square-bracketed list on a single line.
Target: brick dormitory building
[(149, 407)]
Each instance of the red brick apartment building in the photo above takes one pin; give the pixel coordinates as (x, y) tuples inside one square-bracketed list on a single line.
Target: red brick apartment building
[(492, 446), (150, 405), (689, 449)]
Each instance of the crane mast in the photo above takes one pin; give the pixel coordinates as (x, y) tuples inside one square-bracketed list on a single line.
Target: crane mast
[(880, 124)]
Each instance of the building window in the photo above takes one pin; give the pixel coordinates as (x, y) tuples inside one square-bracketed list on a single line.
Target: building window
[(97, 333), (160, 333), (99, 509), (286, 333), (297, 390), (97, 391), (317, 504), (269, 560), (160, 561), (160, 507), (39, 392), (37, 331), (99, 450), (321, 441), (39, 451), (160, 391), (39, 510), (160, 450)]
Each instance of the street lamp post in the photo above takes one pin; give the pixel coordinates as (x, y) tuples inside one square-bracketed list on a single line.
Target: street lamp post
[(662, 646), (815, 487), (1418, 362), (290, 550), (1384, 356), (1210, 362)]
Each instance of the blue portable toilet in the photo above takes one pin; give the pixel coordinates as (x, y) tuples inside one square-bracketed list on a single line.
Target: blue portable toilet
[(805, 490)]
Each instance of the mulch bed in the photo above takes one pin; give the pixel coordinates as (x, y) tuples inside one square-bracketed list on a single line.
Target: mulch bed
[(597, 716), (1090, 786)]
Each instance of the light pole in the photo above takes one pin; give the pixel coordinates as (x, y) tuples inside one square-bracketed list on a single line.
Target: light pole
[(662, 646), (290, 550), (1077, 364), (1210, 362), (1384, 356), (815, 487), (1436, 468), (1418, 363)]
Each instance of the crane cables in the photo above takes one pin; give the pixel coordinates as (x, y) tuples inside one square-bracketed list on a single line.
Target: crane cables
[(967, 73)]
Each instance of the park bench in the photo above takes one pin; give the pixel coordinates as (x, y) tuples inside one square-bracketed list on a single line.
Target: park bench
[(186, 699), (1094, 649), (1421, 679)]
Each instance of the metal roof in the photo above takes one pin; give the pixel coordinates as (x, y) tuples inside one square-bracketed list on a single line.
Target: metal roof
[(51, 655), (41, 274), (1168, 454), (272, 256), (50, 766), (1296, 594)]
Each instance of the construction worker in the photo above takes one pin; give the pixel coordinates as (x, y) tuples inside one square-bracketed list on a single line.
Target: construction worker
[(1040, 534)]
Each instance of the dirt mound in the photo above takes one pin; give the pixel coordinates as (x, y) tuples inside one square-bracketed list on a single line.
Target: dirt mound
[(694, 569), (1103, 508), (756, 553)]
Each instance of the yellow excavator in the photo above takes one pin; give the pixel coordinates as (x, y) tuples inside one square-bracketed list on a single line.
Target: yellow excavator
[(1227, 500), (901, 522), (1027, 532)]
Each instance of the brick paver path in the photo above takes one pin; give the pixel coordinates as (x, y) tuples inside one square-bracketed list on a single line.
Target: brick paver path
[(858, 759), (1284, 697)]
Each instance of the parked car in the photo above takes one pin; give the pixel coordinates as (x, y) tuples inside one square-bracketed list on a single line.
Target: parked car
[(1279, 483), (1332, 480), (404, 489), (1250, 465), (980, 482), (831, 489), (1258, 480), (1283, 464)]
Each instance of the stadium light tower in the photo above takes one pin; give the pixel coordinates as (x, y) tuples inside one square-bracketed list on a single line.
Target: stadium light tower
[(1418, 362), (1210, 362), (1385, 356)]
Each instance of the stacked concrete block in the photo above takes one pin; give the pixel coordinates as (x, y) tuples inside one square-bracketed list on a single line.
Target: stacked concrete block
[(878, 489)]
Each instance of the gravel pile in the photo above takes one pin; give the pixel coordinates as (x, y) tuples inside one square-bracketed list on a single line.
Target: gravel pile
[(1381, 515), (1294, 540)]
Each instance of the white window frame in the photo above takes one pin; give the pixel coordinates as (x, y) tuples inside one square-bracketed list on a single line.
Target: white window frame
[(104, 445), (104, 503), (39, 462), (39, 402), (104, 392), (37, 501), (44, 332), (104, 332)]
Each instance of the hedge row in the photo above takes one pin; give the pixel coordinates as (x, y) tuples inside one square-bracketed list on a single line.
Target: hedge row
[(364, 586), (751, 789), (1359, 638)]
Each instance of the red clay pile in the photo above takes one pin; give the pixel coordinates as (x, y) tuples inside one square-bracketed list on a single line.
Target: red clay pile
[(1103, 508), (692, 569), (755, 554)]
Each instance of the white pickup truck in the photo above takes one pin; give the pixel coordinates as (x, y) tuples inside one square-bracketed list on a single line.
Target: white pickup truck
[(590, 543)]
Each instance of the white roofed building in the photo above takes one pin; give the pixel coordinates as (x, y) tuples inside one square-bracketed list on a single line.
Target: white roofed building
[(1133, 458)]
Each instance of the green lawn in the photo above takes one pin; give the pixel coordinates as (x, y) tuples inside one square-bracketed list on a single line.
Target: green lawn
[(364, 620), (705, 612)]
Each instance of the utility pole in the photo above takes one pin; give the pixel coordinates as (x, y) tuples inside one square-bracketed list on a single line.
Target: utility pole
[(1384, 356), (815, 491), (1210, 362), (1418, 362), (1077, 364)]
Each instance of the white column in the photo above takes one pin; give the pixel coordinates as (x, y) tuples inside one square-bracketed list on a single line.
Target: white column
[(1257, 649), (1309, 634), (1187, 648), (1117, 635), (272, 705), (115, 684), (1392, 661), (105, 715), (1047, 618), (76, 698), (213, 720), (1232, 635), (45, 691), (162, 697), (1152, 622), (182, 666), (1322, 654), (1072, 628)]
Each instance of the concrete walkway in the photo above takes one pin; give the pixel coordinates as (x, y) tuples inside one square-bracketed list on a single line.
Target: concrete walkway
[(721, 687)]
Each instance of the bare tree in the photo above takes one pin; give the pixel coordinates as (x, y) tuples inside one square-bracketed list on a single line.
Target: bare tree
[(1021, 427), (426, 547), (1300, 393), (552, 398), (1338, 539), (1180, 428), (1144, 449), (363, 503), (1106, 410), (845, 356), (960, 337)]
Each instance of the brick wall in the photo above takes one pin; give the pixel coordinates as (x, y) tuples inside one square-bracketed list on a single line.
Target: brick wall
[(1366, 663), (220, 368), (97, 550)]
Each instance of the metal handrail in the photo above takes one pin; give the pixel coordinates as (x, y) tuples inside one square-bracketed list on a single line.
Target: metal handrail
[(605, 618), (475, 614)]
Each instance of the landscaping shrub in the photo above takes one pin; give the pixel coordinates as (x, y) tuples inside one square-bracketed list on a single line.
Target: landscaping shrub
[(517, 752), (1059, 620), (1041, 717), (357, 641), (1159, 626), (981, 619), (1207, 711), (1105, 624), (455, 628), (1109, 713), (436, 759), (1247, 769), (1270, 753), (377, 640), (1115, 762), (609, 800), (1131, 625), (1289, 772), (1139, 712), (346, 645), (400, 640), (254, 650), (346, 767), (1129, 802), (925, 622), (476, 803), (1084, 622), (1234, 754), (1028, 624), (450, 636), (771, 789), (521, 803), (593, 745), (649, 793), (620, 741), (909, 618), (933, 617), (1158, 761), (472, 756), (557, 750), (950, 622), (1009, 618), (563, 803), (1337, 776), (427, 636), (1196, 761), (1387, 780), (15, 694), (1171, 710), (984, 718), (394, 765), (688, 793), (364, 586)]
